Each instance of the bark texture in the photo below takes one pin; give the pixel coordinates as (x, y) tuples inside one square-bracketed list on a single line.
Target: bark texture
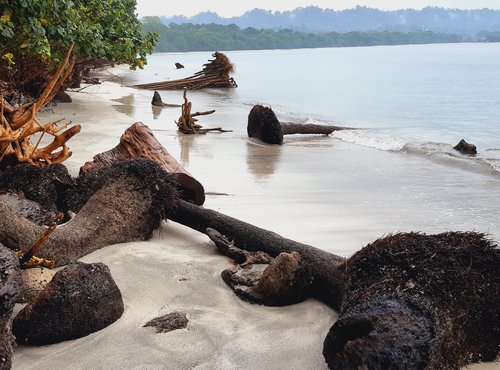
[(10, 293), (138, 142), (121, 203)]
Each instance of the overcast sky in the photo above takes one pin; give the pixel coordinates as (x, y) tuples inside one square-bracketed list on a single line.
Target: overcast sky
[(228, 8)]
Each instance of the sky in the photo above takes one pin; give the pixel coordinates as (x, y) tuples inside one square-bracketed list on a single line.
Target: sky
[(229, 8)]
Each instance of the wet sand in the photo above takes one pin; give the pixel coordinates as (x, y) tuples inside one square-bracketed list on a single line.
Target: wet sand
[(314, 190)]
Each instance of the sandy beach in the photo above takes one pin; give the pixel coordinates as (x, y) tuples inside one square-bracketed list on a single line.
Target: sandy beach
[(278, 188)]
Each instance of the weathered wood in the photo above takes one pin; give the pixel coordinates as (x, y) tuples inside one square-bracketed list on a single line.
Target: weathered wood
[(18, 124), (322, 266), (215, 74), (158, 102), (187, 123), (264, 125), (117, 204), (138, 142), (411, 300), (290, 128)]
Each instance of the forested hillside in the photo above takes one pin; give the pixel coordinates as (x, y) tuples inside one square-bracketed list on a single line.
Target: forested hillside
[(189, 37)]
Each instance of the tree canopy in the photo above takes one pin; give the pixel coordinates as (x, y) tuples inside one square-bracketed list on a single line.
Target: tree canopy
[(35, 34), (209, 37)]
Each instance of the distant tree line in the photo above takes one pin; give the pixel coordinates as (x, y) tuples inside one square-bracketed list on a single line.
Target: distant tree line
[(209, 37)]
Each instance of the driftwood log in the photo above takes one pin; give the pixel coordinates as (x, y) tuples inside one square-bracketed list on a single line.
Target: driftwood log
[(116, 204), (158, 102), (408, 301), (215, 74), (264, 125), (19, 123), (138, 142)]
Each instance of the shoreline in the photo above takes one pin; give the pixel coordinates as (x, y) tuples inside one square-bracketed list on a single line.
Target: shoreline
[(179, 269)]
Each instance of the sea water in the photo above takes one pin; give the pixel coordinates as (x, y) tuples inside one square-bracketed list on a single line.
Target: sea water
[(397, 171)]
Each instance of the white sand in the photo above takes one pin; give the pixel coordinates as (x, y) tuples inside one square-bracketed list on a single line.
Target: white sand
[(179, 270)]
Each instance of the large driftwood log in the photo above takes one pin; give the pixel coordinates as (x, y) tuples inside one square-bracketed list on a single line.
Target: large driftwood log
[(409, 301), (264, 125), (138, 142), (114, 205), (319, 267), (215, 74)]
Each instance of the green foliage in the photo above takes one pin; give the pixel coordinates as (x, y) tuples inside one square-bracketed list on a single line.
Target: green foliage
[(209, 37), (44, 29)]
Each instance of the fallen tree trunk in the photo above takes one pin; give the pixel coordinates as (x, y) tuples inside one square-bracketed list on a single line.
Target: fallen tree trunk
[(215, 74), (289, 128), (321, 266), (138, 142), (264, 125), (114, 205), (411, 300)]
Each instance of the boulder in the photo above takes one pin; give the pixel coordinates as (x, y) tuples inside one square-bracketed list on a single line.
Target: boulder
[(81, 299)]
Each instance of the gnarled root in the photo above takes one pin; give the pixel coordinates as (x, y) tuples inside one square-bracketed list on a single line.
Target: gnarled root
[(262, 279)]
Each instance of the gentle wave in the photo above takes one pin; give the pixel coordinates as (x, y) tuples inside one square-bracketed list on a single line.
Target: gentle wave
[(370, 139), (441, 153)]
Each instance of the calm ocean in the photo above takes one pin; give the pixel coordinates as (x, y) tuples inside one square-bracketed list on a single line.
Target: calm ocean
[(399, 172)]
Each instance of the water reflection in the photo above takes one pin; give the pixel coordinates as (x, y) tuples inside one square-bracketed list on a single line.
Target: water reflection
[(186, 142), (127, 105), (262, 159), (156, 111)]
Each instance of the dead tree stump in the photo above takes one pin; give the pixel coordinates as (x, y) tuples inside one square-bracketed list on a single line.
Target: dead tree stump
[(138, 142), (264, 125)]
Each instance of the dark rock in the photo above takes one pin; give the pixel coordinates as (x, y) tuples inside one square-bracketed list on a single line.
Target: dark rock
[(28, 208), (465, 148), (80, 299), (42, 185), (10, 293), (178, 65), (169, 322), (263, 124), (63, 97)]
